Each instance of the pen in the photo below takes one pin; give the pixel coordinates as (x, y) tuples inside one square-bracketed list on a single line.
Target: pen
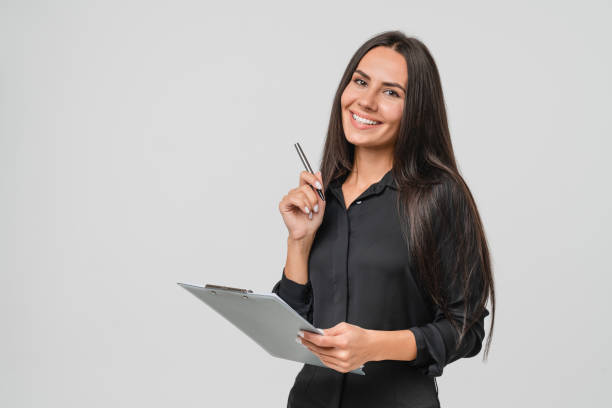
[(307, 165)]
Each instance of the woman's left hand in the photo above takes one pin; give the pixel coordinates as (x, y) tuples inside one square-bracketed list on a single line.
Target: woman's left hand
[(343, 347)]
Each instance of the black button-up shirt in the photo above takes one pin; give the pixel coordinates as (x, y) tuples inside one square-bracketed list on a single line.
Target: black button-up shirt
[(359, 273)]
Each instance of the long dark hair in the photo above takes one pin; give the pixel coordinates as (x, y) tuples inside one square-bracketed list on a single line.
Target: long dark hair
[(432, 193)]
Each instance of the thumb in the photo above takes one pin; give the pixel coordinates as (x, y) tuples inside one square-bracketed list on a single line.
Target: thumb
[(334, 331)]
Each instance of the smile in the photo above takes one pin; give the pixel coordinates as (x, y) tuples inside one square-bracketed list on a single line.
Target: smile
[(362, 123), (364, 120)]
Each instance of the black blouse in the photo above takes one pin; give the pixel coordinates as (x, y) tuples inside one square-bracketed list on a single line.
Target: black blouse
[(359, 273)]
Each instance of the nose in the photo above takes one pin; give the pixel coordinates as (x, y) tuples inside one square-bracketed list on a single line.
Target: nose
[(368, 99)]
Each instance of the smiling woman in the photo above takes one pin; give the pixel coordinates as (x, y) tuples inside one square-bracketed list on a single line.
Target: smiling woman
[(375, 88), (394, 264)]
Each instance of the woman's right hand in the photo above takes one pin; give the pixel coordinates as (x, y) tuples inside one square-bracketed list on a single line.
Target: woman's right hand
[(302, 209)]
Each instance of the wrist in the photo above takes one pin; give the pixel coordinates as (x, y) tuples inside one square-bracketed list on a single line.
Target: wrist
[(296, 266), (299, 246), (375, 345), (392, 345)]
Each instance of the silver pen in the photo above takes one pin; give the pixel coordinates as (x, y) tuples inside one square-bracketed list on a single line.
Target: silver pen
[(307, 166)]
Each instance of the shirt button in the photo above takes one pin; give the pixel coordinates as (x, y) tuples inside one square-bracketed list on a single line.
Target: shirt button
[(358, 202)]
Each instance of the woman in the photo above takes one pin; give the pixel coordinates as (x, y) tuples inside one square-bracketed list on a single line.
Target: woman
[(394, 264)]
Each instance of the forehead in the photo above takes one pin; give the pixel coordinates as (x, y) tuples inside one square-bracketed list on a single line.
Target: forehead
[(385, 65)]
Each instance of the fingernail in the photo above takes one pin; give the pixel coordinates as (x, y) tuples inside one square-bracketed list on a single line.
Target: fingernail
[(301, 334), (310, 216), (298, 341), (316, 208), (318, 185), (307, 210)]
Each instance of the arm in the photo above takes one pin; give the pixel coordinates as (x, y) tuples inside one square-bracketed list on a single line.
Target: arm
[(294, 286), (432, 346), (426, 346), (393, 345), (298, 252)]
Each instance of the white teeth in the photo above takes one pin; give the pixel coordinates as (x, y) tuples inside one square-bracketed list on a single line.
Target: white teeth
[(362, 120)]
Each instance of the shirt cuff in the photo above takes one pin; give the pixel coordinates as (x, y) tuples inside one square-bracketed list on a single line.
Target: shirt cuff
[(296, 292), (422, 355)]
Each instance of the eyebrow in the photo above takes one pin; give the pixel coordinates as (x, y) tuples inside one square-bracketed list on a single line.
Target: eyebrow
[(394, 84)]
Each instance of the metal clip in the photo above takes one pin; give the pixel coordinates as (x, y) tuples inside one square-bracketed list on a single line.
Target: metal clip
[(227, 288)]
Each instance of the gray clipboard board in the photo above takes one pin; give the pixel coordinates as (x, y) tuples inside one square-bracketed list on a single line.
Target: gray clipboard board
[(264, 317)]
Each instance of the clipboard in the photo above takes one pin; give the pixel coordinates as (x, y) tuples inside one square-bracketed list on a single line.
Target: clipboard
[(264, 317)]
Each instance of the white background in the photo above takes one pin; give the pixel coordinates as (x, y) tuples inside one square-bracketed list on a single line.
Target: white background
[(148, 142)]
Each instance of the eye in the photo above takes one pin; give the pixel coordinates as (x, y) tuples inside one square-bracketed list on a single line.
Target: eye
[(393, 92), (358, 81)]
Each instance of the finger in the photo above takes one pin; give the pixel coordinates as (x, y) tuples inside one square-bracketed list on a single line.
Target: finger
[(319, 340), (312, 197), (295, 200), (326, 351), (342, 364), (335, 361), (307, 177), (319, 176), (305, 198), (327, 361), (333, 365)]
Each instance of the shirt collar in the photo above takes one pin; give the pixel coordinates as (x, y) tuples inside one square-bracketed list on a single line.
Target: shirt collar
[(389, 180), (386, 181)]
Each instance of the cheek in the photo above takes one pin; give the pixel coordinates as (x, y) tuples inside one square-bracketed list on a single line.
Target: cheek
[(393, 113), (347, 97)]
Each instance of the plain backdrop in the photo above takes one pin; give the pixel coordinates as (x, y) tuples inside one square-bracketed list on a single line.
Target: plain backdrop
[(144, 143)]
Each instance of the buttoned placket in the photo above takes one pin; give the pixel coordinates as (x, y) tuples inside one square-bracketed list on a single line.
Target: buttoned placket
[(340, 260), (341, 280)]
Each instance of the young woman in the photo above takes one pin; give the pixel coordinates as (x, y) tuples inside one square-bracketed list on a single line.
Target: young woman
[(394, 264)]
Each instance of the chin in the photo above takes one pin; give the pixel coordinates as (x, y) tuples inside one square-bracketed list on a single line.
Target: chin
[(359, 139)]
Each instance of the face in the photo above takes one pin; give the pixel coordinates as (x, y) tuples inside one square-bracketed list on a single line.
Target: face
[(376, 96)]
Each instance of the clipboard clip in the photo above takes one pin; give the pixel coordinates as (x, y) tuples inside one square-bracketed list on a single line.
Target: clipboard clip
[(238, 290)]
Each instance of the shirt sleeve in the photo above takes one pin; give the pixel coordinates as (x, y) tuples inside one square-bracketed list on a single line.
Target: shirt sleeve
[(436, 341), (436, 344), (298, 296)]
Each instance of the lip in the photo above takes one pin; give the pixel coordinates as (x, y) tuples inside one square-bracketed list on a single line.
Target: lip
[(360, 125)]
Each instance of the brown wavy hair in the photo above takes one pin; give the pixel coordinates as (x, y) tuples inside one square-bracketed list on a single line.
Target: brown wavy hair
[(432, 193)]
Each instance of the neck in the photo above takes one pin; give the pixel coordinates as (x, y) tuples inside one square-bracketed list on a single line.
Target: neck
[(369, 166)]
